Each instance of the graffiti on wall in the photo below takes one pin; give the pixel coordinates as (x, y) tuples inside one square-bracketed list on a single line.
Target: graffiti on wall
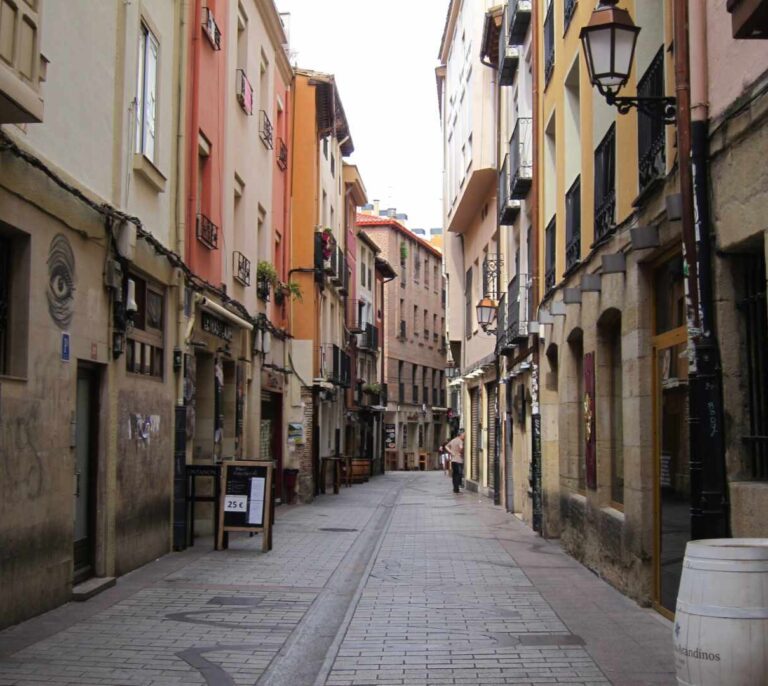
[(61, 281)]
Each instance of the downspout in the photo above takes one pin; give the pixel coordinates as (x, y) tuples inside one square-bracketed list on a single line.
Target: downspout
[(709, 497), (536, 456), (180, 410), (496, 87)]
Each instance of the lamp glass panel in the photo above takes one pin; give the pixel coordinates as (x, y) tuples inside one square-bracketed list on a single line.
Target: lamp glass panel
[(599, 45), (624, 42), (485, 314)]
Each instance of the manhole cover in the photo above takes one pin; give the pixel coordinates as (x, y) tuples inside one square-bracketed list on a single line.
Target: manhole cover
[(332, 528)]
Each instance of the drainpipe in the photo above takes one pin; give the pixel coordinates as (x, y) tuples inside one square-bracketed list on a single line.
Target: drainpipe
[(180, 410), (709, 499), (536, 456)]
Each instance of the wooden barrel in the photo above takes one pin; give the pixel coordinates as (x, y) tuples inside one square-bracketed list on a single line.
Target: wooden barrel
[(361, 469), (721, 624)]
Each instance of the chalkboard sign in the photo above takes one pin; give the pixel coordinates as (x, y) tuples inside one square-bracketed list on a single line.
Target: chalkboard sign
[(246, 488)]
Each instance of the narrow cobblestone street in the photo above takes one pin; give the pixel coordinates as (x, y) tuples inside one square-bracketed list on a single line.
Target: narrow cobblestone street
[(397, 581)]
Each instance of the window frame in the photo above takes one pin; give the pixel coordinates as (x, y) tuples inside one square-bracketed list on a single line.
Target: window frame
[(146, 112)]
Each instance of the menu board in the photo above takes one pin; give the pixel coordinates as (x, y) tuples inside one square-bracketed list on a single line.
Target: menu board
[(390, 441), (245, 490)]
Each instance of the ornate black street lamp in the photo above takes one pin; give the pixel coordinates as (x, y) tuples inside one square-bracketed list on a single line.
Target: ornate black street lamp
[(609, 41), (486, 314)]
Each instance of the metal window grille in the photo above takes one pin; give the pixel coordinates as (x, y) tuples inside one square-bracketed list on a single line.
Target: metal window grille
[(573, 224), (753, 312), (605, 185), (651, 131)]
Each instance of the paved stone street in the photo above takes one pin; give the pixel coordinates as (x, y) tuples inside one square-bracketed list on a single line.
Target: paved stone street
[(397, 581)]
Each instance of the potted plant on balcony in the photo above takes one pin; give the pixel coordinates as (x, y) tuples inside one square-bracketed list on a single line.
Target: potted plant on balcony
[(266, 279), (373, 388), (286, 290)]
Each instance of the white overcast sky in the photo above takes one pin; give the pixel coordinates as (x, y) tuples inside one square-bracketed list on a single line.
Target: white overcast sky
[(383, 55)]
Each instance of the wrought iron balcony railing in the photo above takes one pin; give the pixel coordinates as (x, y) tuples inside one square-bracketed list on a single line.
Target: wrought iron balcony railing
[(265, 130), (369, 339), (282, 154), (549, 256), (518, 309), (605, 185), (651, 131), (549, 43), (569, 7), (211, 29), (573, 224), (207, 232), (242, 268), (244, 92)]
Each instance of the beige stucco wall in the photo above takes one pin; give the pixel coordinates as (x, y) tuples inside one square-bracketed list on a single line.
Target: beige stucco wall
[(733, 65)]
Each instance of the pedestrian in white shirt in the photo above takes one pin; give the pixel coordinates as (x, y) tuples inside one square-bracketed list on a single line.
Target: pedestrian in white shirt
[(455, 449)]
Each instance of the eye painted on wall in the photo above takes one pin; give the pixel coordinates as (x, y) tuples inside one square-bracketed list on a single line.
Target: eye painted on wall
[(61, 281)]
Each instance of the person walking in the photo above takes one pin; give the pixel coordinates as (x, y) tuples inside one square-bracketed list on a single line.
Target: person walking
[(445, 459), (455, 449)]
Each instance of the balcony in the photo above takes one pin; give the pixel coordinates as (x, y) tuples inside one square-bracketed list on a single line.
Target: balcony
[(508, 208), (518, 309), (573, 225), (369, 339), (266, 131), (651, 133), (211, 29), (549, 44), (749, 18), (519, 20), (569, 8), (22, 67), (521, 159), (282, 154), (549, 256), (326, 254), (343, 287), (335, 365), (207, 232), (242, 271), (338, 267), (502, 336), (605, 185), (244, 92)]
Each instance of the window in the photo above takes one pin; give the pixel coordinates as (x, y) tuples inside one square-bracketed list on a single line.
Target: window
[(400, 384), (434, 278), (573, 224), (14, 300), (144, 346), (146, 93), (415, 320), (333, 166), (578, 459), (755, 337), (609, 393), (426, 273), (426, 321), (325, 147), (415, 396)]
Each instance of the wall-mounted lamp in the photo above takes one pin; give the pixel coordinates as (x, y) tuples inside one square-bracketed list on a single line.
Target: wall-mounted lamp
[(486, 314), (609, 42)]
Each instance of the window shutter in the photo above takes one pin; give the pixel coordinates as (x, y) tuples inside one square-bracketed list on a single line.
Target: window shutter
[(150, 99)]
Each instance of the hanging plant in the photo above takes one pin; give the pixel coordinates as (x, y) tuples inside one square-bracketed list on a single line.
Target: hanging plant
[(372, 388), (327, 237), (284, 290), (266, 279)]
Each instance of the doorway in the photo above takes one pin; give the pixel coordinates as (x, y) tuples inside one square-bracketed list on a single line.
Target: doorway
[(85, 476), (271, 447), (672, 520)]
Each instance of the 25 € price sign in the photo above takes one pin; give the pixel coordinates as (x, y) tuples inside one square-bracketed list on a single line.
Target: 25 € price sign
[(235, 503)]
